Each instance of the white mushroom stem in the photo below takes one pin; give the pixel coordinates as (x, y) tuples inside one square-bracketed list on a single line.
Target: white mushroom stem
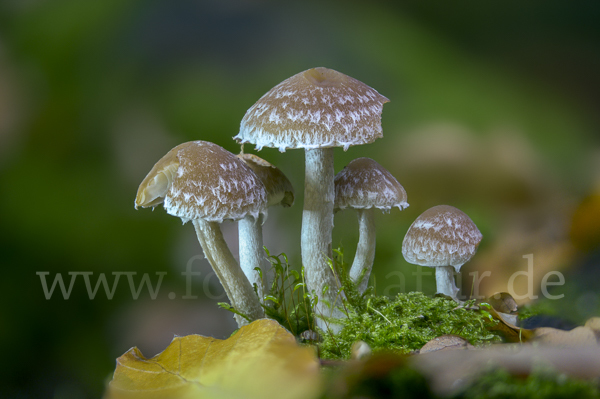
[(365, 251), (317, 226), (444, 280), (252, 253), (234, 281)]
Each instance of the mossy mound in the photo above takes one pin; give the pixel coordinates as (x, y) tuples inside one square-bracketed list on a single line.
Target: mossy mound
[(405, 323)]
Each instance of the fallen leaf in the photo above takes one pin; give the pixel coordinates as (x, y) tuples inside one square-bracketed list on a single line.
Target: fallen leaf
[(509, 318), (503, 302), (261, 360), (594, 325), (506, 327), (446, 342), (580, 336)]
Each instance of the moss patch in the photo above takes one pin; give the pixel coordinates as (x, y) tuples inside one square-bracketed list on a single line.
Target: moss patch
[(404, 324)]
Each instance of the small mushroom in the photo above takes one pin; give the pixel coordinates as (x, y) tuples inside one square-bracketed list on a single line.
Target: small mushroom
[(443, 237), (279, 191), (316, 110), (364, 185), (204, 183)]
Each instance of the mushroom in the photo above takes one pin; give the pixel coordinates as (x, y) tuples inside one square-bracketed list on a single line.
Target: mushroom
[(443, 237), (204, 183), (364, 185), (279, 191), (316, 110)]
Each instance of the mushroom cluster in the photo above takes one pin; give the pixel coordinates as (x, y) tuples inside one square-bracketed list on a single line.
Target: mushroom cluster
[(315, 110)]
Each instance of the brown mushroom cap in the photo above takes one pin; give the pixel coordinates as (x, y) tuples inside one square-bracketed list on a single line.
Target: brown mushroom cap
[(157, 182), (201, 180), (441, 236), (279, 188), (365, 184), (317, 108)]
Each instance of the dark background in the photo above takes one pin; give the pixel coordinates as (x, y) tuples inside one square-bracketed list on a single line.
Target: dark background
[(494, 109)]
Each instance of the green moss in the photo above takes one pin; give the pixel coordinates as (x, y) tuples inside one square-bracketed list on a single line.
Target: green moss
[(404, 324), (288, 300), (401, 324)]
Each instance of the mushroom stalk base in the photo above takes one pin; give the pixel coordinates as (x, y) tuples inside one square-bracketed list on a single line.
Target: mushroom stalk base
[(234, 281), (444, 279), (317, 226), (365, 251), (252, 253)]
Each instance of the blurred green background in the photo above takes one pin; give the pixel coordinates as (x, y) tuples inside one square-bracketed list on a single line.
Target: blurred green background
[(494, 109)]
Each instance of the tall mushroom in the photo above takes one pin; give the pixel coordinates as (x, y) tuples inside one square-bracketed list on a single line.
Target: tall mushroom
[(204, 183), (443, 237), (316, 110), (279, 191), (364, 185)]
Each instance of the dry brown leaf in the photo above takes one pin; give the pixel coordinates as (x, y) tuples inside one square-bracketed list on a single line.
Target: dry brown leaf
[(510, 319), (594, 325), (503, 302), (580, 336), (261, 360), (511, 332), (446, 342)]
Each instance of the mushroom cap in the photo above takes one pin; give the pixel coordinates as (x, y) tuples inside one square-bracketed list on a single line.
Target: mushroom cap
[(201, 180), (365, 184), (317, 108), (441, 236), (279, 188)]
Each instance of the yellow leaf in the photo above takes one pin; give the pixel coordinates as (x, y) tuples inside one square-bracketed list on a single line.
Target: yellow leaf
[(261, 360)]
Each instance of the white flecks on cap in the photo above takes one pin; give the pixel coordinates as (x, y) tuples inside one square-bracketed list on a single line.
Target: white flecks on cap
[(365, 184), (279, 188), (317, 108), (211, 184), (441, 236)]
